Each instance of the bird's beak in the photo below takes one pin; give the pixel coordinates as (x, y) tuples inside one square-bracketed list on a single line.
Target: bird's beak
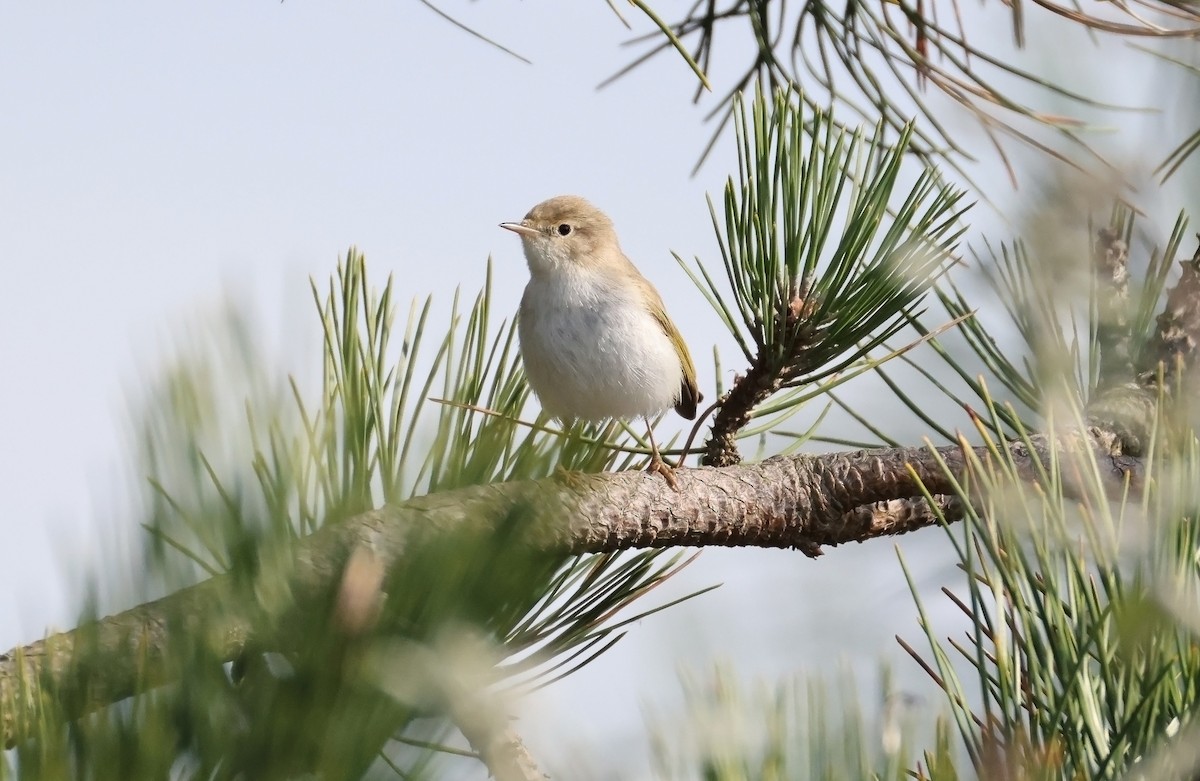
[(519, 228)]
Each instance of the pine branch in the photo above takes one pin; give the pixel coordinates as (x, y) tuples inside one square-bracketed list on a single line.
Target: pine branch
[(502, 750), (1174, 344), (1128, 399), (803, 502), (877, 61)]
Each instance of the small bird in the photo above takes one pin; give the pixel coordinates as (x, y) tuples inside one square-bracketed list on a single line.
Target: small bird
[(595, 336)]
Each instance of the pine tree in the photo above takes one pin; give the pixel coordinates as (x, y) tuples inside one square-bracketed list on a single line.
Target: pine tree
[(356, 579)]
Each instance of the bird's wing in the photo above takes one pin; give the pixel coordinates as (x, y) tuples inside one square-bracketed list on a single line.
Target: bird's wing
[(689, 390)]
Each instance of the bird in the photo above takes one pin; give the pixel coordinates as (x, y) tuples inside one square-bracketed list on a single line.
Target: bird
[(595, 337)]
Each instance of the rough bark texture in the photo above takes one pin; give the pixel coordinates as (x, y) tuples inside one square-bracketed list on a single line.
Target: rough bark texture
[(1174, 343)]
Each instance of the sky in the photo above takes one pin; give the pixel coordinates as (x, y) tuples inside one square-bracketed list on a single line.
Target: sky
[(162, 160)]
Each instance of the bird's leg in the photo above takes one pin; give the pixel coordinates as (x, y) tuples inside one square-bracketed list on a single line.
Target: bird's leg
[(656, 461)]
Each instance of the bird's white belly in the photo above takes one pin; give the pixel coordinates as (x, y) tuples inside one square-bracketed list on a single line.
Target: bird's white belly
[(593, 354)]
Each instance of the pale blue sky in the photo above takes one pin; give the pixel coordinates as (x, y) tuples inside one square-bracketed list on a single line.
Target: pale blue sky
[(159, 158)]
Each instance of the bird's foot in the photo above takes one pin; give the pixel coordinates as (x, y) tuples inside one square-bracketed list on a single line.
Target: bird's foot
[(657, 465)]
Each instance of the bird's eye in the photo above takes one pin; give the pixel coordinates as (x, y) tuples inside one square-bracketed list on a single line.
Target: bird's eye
[(564, 229)]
